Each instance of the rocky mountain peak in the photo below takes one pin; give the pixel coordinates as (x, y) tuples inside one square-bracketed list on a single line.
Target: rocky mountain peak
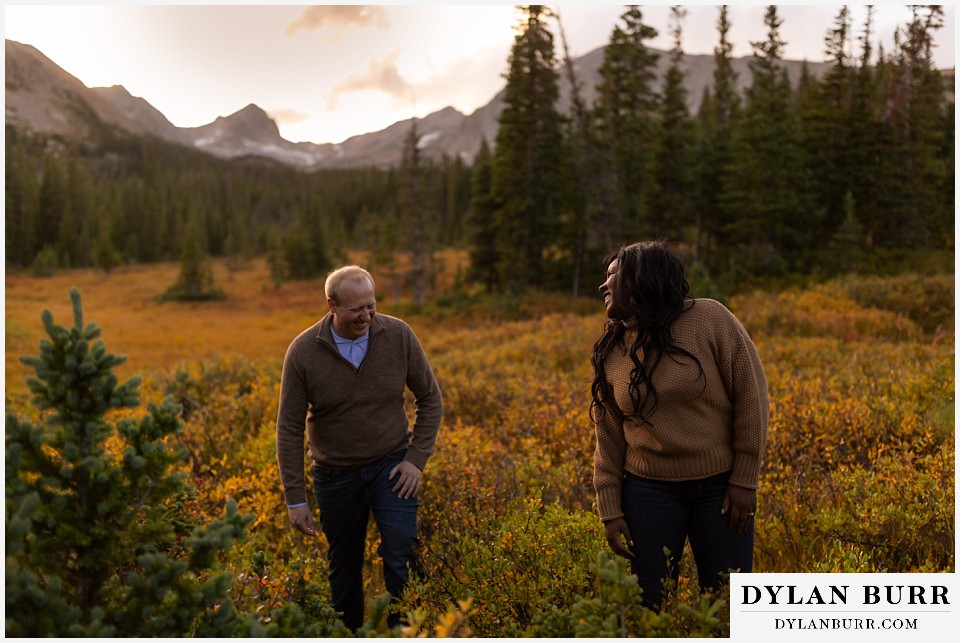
[(251, 123), (43, 97)]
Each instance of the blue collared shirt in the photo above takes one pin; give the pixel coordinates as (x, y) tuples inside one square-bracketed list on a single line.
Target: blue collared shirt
[(353, 350)]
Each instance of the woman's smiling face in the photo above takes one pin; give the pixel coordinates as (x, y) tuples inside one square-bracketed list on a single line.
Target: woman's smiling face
[(608, 289)]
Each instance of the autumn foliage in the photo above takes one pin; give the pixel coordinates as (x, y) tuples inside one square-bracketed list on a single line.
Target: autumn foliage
[(858, 475)]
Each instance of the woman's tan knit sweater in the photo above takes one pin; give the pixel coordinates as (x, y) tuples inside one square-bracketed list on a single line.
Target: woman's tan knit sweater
[(700, 427)]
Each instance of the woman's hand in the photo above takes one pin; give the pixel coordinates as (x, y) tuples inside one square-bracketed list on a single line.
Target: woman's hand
[(741, 503), (618, 537)]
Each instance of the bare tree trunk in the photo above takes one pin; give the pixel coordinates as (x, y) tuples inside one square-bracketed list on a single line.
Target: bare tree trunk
[(581, 149)]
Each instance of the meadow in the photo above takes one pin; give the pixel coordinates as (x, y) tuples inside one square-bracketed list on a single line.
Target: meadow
[(858, 474)]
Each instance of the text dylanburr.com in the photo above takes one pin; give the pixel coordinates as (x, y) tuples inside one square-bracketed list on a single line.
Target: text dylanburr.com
[(847, 607)]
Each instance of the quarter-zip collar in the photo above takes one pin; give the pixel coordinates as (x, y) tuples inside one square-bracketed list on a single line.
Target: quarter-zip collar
[(325, 334)]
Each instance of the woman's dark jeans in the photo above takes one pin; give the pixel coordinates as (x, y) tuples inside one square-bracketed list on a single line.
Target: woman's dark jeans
[(346, 499), (663, 514)]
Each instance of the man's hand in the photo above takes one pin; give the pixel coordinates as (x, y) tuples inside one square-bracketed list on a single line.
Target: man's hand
[(408, 484), (742, 505), (301, 519), (618, 537)]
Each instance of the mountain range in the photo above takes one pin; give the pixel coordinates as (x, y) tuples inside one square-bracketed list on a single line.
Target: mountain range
[(43, 97)]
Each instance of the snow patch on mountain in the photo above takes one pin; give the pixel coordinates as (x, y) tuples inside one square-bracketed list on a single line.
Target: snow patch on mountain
[(291, 156), (427, 139)]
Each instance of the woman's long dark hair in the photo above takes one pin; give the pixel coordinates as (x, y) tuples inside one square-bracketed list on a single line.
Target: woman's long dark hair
[(652, 287)]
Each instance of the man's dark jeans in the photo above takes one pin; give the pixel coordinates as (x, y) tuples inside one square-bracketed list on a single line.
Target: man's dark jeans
[(663, 514), (346, 499)]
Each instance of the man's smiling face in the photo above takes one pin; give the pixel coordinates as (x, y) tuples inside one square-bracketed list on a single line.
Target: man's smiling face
[(354, 308)]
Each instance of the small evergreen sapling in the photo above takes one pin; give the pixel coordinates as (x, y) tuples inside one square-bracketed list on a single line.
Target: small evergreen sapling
[(195, 281), (96, 542)]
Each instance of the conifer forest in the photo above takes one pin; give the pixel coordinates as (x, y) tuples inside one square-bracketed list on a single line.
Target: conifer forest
[(151, 291), (840, 171)]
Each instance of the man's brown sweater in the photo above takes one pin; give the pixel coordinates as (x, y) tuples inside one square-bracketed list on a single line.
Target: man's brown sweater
[(700, 427), (353, 416)]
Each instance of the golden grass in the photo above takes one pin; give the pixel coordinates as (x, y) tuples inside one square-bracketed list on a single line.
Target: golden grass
[(256, 320)]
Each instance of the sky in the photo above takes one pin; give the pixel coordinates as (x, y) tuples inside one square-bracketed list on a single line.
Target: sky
[(328, 72)]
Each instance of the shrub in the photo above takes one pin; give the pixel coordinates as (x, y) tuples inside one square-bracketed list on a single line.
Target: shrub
[(45, 263), (97, 544), (510, 565), (843, 414), (927, 300), (820, 312), (614, 609), (899, 513)]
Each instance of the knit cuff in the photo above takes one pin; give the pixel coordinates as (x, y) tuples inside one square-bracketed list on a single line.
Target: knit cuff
[(609, 503), (295, 496), (416, 458), (746, 471)]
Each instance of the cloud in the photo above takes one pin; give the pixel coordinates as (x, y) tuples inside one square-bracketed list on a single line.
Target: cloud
[(466, 82), (288, 115), (381, 76), (339, 17)]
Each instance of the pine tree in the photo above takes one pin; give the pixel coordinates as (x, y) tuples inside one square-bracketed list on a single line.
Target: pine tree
[(582, 189), (387, 236), (21, 196), (303, 245), (768, 188), (85, 209), (726, 102), (572, 237), (52, 205), (672, 215), (45, 263), (95, 540), (297, 251), (455, 199), (845, 250), (719, 112), (236, 246), (481, 222), (868, 134), (195, 281), (316, 227), (152, 232), (105, 255), (827, 117), (944, 227), (626, 117), (527, 155), (127, 215), (277, 264), (416, 213), (915, 114)]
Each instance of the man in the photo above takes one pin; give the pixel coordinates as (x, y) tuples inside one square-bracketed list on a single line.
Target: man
[(343, 380)]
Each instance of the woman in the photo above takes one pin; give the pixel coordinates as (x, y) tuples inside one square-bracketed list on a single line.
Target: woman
[(680, 409)]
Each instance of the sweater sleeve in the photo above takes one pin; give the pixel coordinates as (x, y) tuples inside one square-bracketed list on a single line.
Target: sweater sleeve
[(291, 422), (422, 382), (608, 462), (747, 384)]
